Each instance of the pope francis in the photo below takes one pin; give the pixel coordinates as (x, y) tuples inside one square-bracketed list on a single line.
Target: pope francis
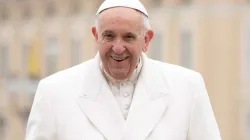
[(121, 94)]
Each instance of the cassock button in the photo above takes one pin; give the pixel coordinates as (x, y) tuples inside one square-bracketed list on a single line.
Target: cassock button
[(126, 94), (126, 107)]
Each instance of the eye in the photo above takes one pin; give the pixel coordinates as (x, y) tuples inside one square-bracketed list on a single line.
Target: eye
[(108, 36), (130, 37)]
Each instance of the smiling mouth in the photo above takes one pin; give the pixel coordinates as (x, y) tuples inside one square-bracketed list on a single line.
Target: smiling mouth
[(119, 59)]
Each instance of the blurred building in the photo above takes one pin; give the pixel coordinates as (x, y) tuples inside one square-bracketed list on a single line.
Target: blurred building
[(39, 38)]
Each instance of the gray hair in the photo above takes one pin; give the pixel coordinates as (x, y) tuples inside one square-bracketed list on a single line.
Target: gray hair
[(145, 21)]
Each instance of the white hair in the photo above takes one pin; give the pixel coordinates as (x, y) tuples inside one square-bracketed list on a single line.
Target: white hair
[(145, 21)]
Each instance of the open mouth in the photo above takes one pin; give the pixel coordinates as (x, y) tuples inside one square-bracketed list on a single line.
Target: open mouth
[(119, 59)]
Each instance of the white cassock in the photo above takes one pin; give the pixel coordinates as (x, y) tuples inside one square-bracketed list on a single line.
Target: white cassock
[(169, 103)]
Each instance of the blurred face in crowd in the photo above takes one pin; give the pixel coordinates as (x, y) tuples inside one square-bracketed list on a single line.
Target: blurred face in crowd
[(121, 37)]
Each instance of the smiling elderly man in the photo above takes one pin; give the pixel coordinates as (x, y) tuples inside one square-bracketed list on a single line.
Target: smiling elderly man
[(121, 94)]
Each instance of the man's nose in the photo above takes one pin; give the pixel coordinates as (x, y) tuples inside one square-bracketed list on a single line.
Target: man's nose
[(118, 48)]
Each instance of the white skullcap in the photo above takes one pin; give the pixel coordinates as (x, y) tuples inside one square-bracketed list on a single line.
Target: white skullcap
[(134, 4)]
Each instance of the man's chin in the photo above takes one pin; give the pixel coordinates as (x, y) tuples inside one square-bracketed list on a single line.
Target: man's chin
[(119, 75), (120, 78)]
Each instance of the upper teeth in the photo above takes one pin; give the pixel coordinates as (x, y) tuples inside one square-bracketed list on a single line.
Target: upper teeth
[(117, 58)]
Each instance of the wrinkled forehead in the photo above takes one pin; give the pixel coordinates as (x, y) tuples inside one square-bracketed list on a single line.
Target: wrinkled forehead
[(120, 15)]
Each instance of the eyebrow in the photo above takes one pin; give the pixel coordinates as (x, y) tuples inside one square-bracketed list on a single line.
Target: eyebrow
[(107, 32), (130, 33), (125, 34)]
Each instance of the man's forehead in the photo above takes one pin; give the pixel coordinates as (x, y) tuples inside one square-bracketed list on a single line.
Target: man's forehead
[(107, 31), (122, 32), (114, 20), (116, 15)]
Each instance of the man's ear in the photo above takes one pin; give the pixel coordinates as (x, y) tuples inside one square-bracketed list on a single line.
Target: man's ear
[(148, 37), (94, 32)]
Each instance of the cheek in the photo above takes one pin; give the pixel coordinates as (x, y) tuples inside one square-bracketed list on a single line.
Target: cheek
[(135, 52), (135, 49), (104, 48)]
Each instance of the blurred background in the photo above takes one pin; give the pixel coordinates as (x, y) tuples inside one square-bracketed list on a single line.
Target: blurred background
[(41, 37)]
